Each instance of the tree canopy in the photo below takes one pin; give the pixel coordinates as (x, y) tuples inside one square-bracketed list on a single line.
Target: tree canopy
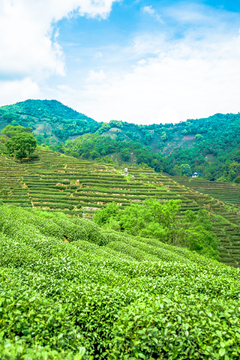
[(11, 130), (151, 219), (21, 145), (94, 146)]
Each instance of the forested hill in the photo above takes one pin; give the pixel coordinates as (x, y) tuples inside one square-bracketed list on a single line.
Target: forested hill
[(210, 146), (51, 120)]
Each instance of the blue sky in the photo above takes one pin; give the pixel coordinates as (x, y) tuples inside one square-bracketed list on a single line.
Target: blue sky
[(138, 61), (97, 43)]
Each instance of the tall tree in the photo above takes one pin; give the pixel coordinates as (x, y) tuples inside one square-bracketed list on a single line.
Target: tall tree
[(11, 131), (22, 145)]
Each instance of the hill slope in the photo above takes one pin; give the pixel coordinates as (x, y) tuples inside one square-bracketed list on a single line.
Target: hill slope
[(49, 119), (210, 146), (72, 291), (62, 183), (227, 192)]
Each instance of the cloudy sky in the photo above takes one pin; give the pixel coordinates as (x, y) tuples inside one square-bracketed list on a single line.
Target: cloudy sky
[(142, 61)]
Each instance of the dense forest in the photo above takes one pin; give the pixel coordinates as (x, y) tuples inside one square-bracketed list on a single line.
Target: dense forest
[(97, 147), (208, 146)]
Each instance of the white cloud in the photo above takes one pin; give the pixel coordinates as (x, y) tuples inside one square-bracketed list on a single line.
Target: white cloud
[(98, 55), (149, 10), (194, 75), (28, 39), (188, 78), (18, 90), (142, 62), (96, 77)]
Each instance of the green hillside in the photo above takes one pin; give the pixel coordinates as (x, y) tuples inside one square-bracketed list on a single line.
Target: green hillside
[(56, 182), (49, 119), (70, 290), (209, 146), (229, 193)]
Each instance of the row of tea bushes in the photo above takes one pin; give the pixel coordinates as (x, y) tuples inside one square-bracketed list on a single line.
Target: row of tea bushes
[(70, 290), (227, 192)]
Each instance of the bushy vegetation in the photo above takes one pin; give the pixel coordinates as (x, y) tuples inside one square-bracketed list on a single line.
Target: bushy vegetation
[(11, 130), (22, 142), (96, 146), (215, 152), (70, 290), (237, 180), (209, 146), (153, 219), (22, 145), (57, 182)]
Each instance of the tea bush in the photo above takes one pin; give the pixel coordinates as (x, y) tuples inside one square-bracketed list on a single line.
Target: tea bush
[(163, 328), (109, 295)]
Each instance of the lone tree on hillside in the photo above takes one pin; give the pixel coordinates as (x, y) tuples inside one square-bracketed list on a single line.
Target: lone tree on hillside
[(21, 145), (186, 170), (11, 131)]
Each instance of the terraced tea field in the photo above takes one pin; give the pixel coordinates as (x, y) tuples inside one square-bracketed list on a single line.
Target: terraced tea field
[(74, 186), (78, 187), (227, 192)]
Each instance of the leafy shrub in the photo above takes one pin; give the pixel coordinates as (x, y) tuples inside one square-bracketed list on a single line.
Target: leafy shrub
[(20, 253), (167, 328), (72, 231), (132, 298), (94, 234), (49, 228), (19, 350), (134, 252)]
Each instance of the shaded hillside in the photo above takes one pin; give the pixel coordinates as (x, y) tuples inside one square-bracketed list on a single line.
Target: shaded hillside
[(214, 152), (62, 183)]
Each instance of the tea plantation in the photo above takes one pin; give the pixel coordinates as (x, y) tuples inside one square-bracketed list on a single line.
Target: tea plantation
[(70, 290), (76, 187), (227, 192)]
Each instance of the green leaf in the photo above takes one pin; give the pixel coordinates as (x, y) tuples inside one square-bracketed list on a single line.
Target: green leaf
[(222, 352)]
